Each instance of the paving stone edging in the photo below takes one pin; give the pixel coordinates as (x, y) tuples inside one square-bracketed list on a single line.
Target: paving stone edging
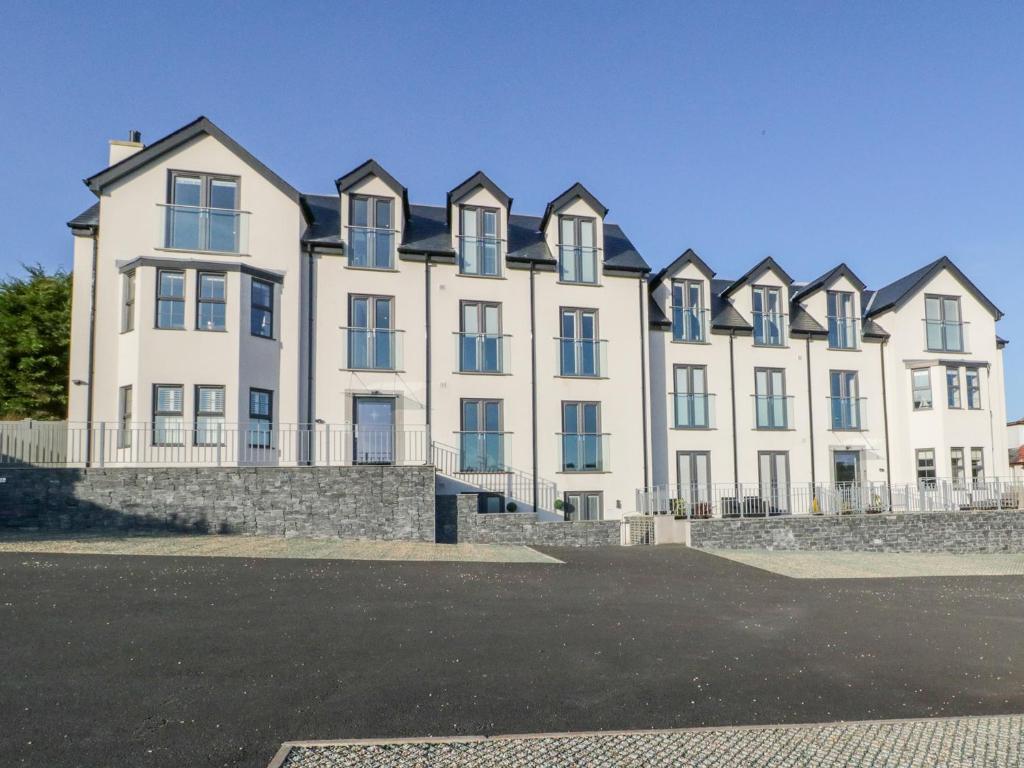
[(361, 502), (964, 532)]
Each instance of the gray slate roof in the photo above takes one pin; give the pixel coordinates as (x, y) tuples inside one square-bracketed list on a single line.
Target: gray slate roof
[(90, 217), (892, 294)]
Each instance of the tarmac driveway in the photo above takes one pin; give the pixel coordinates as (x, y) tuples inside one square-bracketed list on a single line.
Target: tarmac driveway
[(171, 661)]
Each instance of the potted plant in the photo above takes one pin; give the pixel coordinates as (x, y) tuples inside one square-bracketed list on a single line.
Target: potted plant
[(678, 507), (511, 507)]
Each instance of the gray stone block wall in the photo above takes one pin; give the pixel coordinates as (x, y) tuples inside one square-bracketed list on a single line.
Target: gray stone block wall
[(956, 532), (362, 502), (524, 527)]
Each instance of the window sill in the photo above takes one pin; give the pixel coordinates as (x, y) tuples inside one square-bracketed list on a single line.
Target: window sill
[(233, 254), (483, 472), (484, 277), (693, 429), (774, 429), (579, 377), (371, 370), (583, 472), (358, 268), (848, 429), (258, 336), (580, 284), (481, 373), (159, 328), (845, 349), (212, 330), (771, 346), (704, 342)]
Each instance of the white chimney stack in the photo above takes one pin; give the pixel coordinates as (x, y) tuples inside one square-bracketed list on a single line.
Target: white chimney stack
[(119, 150)]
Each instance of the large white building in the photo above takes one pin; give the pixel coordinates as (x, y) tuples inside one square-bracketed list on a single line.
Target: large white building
[(219, 315)]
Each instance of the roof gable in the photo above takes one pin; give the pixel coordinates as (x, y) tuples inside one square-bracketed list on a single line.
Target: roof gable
[(689, 256), (827, 279), (898, 292), (765, 264), (577, 190), (479, 179), (201, 126), (372, 168)]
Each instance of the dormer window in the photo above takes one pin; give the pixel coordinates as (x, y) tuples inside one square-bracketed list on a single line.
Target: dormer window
[(371, 232), (842, 320), (688, 311), (577, 252), (769, 328), (479, 243)]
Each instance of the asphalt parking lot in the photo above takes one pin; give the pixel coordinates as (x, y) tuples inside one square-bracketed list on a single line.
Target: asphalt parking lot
[(171, 661)]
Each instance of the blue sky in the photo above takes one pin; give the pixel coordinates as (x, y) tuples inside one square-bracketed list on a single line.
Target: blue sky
[(883, 135)]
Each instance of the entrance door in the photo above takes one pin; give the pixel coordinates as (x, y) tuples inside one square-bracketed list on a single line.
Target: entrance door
[(693, 469), (374, 433), (773, 467), (846, 476)]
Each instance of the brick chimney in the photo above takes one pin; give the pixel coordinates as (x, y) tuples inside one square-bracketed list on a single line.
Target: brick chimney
[(119, 149)]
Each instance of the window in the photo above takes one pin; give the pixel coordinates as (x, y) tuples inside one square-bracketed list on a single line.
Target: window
[(926, 466), (479, 244), (921, 383), (691, 397), (209, 415), (844, 400), (481, 438), (952, 386), (769, 330), (128, 302), (261, 310), (168, 415), (490, 503), (770, 401), (371, 234), (582, 445), (693, 472), (773, 476), (580, 349), (577, 260), (170, 299), (842, 321), (977, 465), (973, 388), (261, 418), (481, 345), (584, 505), (943, 330), (211, 307), (956, 465), (371, 337), (124, 417), (203, 213), (688, 311)]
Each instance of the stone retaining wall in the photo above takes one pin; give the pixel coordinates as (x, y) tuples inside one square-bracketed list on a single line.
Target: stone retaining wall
[(519, 527), (956, 532), (362, 502)]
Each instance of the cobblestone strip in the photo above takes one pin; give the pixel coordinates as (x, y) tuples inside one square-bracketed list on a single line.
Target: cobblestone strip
[(965, 742)]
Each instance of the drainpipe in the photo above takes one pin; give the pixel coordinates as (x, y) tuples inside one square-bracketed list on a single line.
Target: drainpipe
[(310, 350), (92, 348), (643, 378), (426, 325), (810, 418), (533, 382), (885, 423), (732, 396)]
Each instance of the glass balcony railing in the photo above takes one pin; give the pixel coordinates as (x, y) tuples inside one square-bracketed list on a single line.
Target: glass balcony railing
[(373, 349), (585, 358), (945, 336), (480, 256), (693, 410), (198, 228), (847, 413), (689, 324), (483, 352), (770, 329), (843, 333), (370, 247), (577, 264), (483, 451), (585, 452), (773, 411)]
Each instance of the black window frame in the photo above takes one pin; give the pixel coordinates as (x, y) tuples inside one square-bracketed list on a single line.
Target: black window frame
[(925, 478), (973, 393), (254, 307), (954, 395), (157, 412), (258, 417), (125, 407), (200, 301), (128, 292), (197, 414), (914, 389), (161, 298)]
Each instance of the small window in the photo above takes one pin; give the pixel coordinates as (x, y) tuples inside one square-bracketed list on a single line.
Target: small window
[(211, 307), (922, 388), (168, 415), (577, 251), (973, 388), (956, 465), (977, 465), (170, 299), (926, 466), (842, 322), (262, 309), (261, 418), (128, 302), (124, 411), (952, 386), (769, 319), (688, 311), (584, 505), (371, 234), (479, 244), (209, 415)]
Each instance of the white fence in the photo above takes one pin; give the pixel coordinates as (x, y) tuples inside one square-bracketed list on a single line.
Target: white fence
[(705, 501)]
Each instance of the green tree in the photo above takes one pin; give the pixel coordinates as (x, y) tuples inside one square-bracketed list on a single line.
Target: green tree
[(35, 331)]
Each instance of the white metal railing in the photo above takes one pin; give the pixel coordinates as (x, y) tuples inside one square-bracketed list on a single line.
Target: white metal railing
[(689, 324), (174, 442), (946, 335), (202, 228), (483, 352), (734, 500), (514, 484), (582, 358)]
